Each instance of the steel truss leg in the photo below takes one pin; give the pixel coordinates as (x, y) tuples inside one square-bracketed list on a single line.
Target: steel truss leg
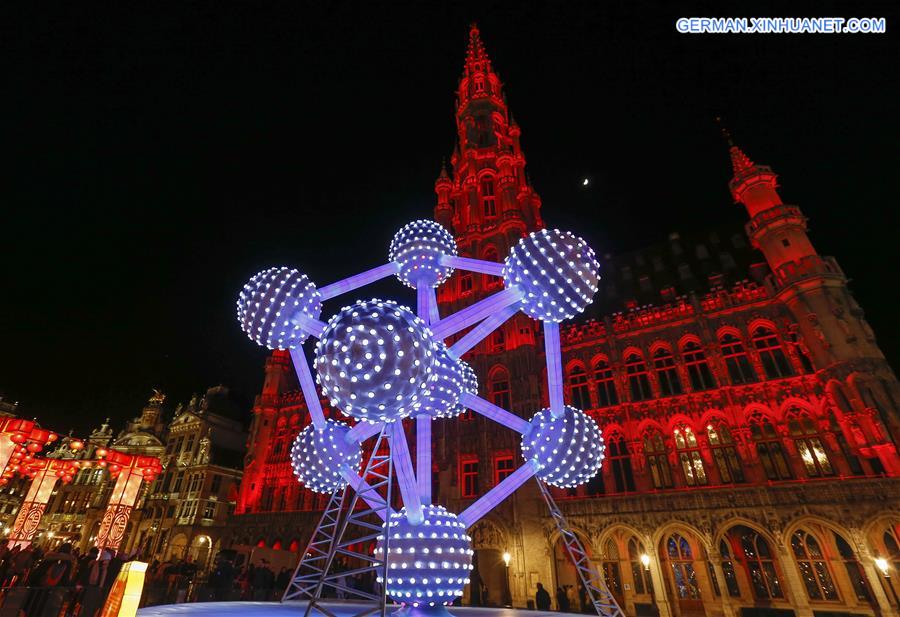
[(357, 529), (311, 566), (604, 602)]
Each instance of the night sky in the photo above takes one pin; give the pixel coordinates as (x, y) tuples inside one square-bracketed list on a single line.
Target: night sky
[(162, 156)]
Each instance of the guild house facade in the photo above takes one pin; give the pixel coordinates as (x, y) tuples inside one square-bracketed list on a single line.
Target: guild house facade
[(749, 416)]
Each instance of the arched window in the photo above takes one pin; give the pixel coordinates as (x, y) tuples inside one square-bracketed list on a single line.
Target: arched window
[(809, 445), (854, 570), (580, 394), (490, 281), (681, 559), (852, 459), (728, 569), (489, 202), (759, 562), (294, 546), (498, 340), (739, 369), (892, 547), (689, 456), (657, 460), (698, 368), (813, 566), (769, 448), (619, 460), (605, 383), (767, 345), (611, 571), (727, 461), (641, 577), (499, 388), (638, 378), (666, 373)]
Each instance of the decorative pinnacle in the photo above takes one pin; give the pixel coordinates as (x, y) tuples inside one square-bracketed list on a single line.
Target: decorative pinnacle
[(475, 52), (740, 162)]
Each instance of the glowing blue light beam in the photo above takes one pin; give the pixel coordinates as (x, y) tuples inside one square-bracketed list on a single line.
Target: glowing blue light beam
[(473, 265), (476, 312), (363, 430), (405, 476), (308, 386), (482, 331), (359, 280), (497, 414), (493, 497), (554, 368)]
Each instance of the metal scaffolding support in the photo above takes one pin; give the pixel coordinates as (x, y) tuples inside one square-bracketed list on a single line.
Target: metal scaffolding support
[(312, 564), (604, 602), (357, 531)]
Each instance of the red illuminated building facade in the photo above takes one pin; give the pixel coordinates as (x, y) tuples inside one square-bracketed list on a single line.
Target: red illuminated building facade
[(750, 419)]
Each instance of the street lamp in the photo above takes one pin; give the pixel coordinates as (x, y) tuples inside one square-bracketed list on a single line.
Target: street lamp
[(645, 561), (507, 601), (885, 568)]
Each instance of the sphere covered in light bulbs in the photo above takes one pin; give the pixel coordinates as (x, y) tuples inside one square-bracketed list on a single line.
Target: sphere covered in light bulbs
[(375, 361), (556, 271), (442, 400), (268, 302), (567, 450), (430, 562), (469, 386), (318, 455), (417, 250)]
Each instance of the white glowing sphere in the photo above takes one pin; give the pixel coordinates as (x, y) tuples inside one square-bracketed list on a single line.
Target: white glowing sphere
[(375, 361), (269, 301), (442, 400), (469, 386), (568, 450), (430, 562), (557, 272), (319, 455), (417, 249)]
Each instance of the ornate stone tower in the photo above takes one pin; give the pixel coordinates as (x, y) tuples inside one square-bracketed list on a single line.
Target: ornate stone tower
[(811, 285)]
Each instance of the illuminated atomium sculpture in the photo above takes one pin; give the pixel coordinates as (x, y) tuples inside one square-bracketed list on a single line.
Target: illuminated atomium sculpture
[(379, 362)]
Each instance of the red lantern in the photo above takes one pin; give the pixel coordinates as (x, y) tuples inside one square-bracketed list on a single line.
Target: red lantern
[(67, 478), (34, 447), (101, 452), (114, 468), (4, 481), (18, 438), (52, 437), (76, 445)]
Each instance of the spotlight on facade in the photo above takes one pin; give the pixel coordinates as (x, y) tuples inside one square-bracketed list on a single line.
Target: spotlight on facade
[(506, 558), (645, 560), (882, 565)]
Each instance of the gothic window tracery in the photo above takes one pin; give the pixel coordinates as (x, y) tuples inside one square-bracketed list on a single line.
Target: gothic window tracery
[(759, 562), (657, 459), (681, 560), (769, 448), (605, 384), (620, 462), (498, 388), (806, 437), (731, 583), (736, 361), (689, 456), (641, 577), (638, 378), (813, 564), (579, 392), (697, 366), (771, 354), (724, 453), (666, 372), (854, 570)]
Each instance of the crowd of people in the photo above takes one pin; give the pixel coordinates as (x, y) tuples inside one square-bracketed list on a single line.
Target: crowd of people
[(57, 582), (567, 599)]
